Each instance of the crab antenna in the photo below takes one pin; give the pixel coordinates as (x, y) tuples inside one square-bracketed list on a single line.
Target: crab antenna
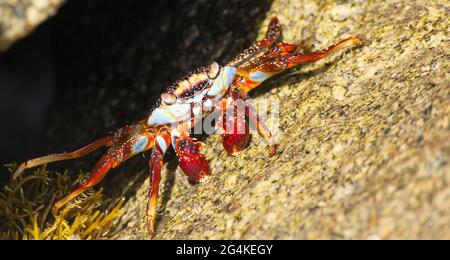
[(106, 141)]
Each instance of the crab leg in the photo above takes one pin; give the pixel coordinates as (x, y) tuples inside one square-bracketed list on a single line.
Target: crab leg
[(272, 35), (279, 50), (106, 141), (262, 129), (96, 175), (129, 141), (256, 75), (162, 142)]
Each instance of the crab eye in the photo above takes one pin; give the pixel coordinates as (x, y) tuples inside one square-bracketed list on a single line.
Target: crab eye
[(168, 99), (214, 70)]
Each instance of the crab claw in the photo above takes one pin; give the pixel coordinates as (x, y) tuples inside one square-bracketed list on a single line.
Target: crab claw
[(191, 161), (236, 135)]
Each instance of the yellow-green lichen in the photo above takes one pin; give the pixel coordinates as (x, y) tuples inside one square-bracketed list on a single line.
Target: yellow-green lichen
[(26, 209)]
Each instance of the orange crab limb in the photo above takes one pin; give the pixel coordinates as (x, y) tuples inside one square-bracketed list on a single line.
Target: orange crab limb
[(280, 64), (254, 119), (128, 141), (96, 175), (255, 76), (106, 141), (156, 162), (279, 50)]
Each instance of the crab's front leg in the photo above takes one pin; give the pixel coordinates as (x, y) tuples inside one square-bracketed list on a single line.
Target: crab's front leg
[(191, 161), (162, 142)]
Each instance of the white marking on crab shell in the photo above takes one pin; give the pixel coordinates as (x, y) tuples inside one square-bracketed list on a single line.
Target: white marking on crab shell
[(222, 82), (140, 144), (169, 114), (258, 76), (161, 143)]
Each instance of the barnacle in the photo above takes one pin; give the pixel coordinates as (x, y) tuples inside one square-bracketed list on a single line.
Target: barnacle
[(26, 209)]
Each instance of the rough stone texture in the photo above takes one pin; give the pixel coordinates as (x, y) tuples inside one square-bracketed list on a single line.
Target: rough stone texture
[(18, 18), (364, 142)]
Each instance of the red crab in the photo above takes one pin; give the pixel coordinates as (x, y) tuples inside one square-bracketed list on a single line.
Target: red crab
[(210, 89)]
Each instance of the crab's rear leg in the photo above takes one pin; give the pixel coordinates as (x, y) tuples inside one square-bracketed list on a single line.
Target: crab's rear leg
[(273, 34), (127, 141), (95, 176), (106, 141)]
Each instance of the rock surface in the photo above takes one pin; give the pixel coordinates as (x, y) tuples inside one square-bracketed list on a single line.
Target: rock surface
[(18, 18), (364, 138)]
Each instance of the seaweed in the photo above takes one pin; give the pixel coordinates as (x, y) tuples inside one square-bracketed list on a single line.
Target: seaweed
[(26, 209)]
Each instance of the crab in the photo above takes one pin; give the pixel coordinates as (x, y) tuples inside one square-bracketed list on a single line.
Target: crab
[(209, 89)]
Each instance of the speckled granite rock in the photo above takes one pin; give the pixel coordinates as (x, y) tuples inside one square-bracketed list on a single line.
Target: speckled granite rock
[(18, 18), (364, 147), (373, 162)]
